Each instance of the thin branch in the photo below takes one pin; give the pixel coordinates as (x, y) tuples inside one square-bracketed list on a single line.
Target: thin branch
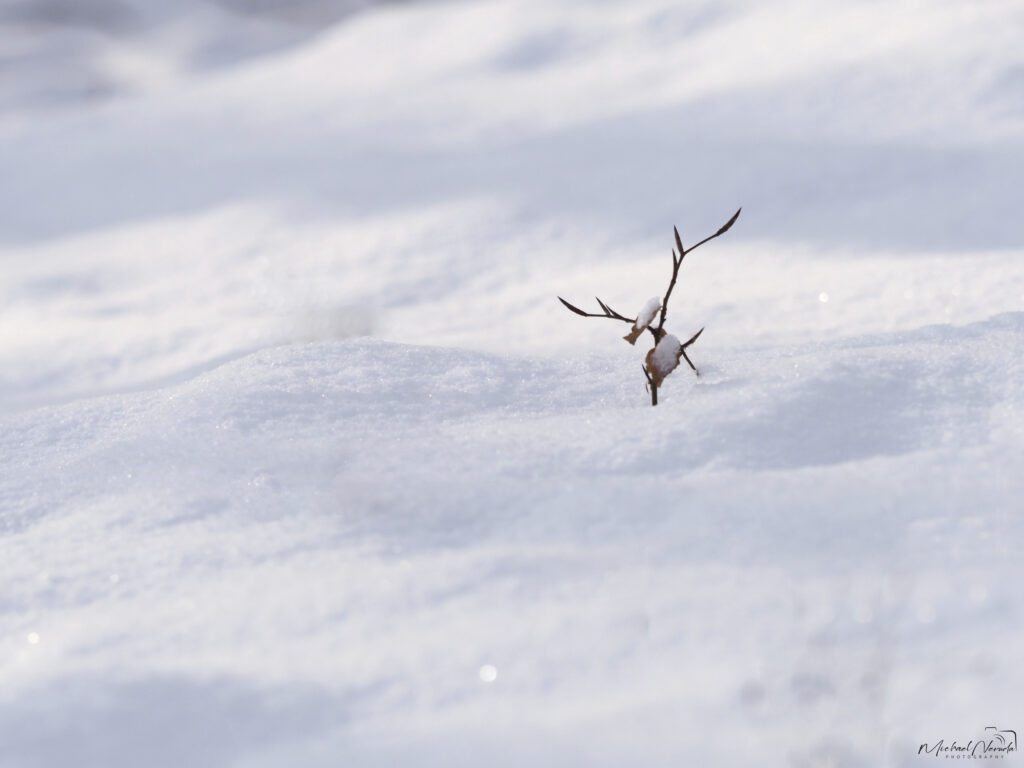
[(689, 362), (693, 338), (612, 313), (678, 261), (658, 331), (608, 312), (722, 231), (686, 357), (652, 387)]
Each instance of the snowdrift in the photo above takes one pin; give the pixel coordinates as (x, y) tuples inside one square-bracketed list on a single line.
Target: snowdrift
[(304, 464)]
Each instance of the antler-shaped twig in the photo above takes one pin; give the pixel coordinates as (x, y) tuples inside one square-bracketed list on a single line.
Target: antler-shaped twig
[(678, 262), (608, 311), (658, 332), (687, 357)]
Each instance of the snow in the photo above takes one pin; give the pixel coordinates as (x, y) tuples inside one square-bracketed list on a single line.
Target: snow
[(643, 318), (646, 315), (303, 463), (664, 358)]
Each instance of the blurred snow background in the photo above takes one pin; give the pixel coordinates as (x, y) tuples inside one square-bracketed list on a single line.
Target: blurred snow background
[(233, 533)]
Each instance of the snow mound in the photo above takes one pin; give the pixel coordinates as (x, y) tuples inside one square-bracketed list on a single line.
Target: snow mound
[(302, 463), (330, 541)]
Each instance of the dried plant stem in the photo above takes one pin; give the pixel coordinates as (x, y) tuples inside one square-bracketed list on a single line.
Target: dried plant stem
[(661, 368), (651, 386)]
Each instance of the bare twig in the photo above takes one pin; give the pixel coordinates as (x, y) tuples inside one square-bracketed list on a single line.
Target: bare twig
[(651, 386), (686, 357), (678, 262), (608, 311), (658, 332), (725, 228)]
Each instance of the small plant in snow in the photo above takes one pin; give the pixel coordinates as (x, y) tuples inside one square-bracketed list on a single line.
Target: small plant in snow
[(667, 350)]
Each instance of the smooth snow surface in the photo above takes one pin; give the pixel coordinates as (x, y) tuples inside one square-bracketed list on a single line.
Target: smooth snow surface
[(302, 463)]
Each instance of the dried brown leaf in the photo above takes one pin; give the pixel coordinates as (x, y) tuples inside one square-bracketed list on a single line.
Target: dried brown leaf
[(634, 334), (643, 319), (664, 358)]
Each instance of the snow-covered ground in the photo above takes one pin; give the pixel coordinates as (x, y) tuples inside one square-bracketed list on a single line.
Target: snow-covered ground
[(303, 464)]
